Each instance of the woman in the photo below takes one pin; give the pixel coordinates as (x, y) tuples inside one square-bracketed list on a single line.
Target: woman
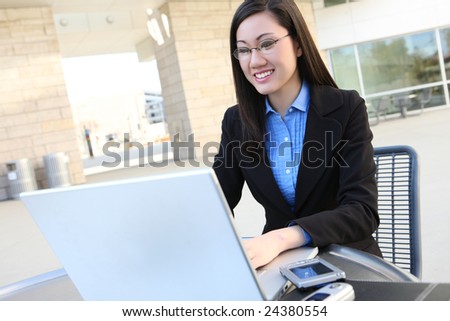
[(302, 145)]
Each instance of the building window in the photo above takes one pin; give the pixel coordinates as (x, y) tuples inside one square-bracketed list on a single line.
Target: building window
[(396, 75), (406, 102), (330, 3), (344, 68), (445, 43), (399, 62)]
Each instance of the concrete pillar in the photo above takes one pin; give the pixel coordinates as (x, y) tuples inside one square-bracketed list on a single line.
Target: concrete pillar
[(195, 67)]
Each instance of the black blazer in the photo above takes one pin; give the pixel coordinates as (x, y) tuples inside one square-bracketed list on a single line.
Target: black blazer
[(336, 195)]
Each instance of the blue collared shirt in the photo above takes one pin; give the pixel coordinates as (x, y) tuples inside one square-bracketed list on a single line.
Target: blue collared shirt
[(284, 140)]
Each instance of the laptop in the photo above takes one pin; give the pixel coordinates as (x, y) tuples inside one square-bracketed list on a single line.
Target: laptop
[(161, 237)]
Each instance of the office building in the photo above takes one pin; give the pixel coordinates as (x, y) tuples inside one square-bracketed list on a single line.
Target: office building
[(395, 53)]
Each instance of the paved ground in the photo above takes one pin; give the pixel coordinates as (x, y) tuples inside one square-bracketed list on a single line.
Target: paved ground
[(24, 252), (429, 135)]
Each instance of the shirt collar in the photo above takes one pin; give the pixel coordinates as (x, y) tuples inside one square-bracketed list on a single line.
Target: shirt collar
[(300, 103)]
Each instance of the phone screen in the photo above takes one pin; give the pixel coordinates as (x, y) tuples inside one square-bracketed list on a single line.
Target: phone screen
[(310, 270)]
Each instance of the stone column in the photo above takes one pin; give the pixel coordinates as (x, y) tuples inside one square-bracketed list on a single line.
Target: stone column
[(195, 67)]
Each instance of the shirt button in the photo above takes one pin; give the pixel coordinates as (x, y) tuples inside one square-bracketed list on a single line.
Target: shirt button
[(286, 139), (291, 110), (288, 171)]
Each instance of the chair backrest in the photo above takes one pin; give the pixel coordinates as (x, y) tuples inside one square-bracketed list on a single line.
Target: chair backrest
[(398, 207)]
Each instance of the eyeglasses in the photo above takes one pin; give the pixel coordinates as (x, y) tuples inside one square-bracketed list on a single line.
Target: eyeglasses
[(265, 47)]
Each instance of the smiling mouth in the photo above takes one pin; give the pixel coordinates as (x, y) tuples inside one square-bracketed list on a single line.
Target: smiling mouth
[(263, 75)]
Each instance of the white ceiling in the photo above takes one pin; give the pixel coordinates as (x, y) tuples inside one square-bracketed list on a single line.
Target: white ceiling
[(89, 27)]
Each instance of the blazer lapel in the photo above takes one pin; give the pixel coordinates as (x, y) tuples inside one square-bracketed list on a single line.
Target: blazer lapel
[(322, 134)]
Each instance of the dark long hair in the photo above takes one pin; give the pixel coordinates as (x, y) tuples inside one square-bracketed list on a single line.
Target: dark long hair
[(310, 64)]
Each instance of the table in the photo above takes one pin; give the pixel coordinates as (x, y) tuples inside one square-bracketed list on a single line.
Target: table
[(372, 278), (375, 279)]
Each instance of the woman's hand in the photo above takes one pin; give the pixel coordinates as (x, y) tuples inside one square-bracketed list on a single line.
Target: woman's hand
[(263, 249)]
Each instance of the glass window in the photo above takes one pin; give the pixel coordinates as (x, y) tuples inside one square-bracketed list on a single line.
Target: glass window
[(330, 3), (445, 41), (344, 68), (399, 62), (380, 107), (428, 97), (406, 103)]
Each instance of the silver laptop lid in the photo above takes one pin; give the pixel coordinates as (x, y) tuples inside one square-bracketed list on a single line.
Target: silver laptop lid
[(163, 237)]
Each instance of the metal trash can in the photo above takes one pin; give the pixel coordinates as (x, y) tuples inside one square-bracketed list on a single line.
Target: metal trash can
[(57, 169), (21, 177)]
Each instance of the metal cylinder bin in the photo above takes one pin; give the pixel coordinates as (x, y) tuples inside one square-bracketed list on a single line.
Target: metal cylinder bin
[(21, 177), (57, 169)]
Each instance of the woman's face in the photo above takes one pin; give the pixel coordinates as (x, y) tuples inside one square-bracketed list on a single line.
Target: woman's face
[(275, 72)]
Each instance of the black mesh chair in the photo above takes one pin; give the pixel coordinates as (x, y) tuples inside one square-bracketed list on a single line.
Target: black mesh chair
[(398, 206)]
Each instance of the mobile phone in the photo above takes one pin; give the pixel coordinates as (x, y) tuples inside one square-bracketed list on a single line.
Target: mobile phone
[(311, 273)]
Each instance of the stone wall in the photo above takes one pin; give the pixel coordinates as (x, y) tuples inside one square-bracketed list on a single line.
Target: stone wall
[(35, 115)]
